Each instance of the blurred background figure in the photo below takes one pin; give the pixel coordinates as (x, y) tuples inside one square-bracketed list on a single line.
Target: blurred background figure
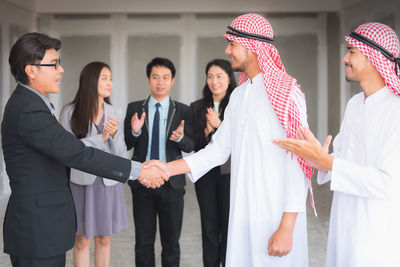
[(213, 189), (99, 202)]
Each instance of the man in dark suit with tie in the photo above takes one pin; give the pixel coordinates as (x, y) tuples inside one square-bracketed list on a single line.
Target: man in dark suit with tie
[(158, 128), (40, 223)]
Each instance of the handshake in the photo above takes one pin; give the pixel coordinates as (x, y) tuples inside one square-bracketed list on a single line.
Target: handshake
[(154, 173)]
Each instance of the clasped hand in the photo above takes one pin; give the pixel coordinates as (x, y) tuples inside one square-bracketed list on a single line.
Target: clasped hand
[(110, 128), (154, 173), (213, 121)]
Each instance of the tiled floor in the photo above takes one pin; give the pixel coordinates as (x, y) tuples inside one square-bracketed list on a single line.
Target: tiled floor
[(122, 253)]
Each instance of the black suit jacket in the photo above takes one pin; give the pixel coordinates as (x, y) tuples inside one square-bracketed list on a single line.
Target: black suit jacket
[(40, 217), (176, 113), (199, 111)]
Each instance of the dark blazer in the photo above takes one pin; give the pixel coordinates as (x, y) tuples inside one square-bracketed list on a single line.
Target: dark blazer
[(199, 111), (176, 113), (40, 218)]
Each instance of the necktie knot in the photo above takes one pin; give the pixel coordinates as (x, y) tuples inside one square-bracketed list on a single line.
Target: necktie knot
[(158, 105)]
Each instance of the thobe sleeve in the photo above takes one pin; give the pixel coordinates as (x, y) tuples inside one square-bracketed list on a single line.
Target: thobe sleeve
[(296, 186), (324, 177), (296, 181), (370, 181), (216, 152)]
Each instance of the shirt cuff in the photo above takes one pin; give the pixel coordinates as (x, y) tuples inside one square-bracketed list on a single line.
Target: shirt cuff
[(138, 134), (295, 208), (338, 172), (324, 177), (193, 175), (136, 169), (180, 138)]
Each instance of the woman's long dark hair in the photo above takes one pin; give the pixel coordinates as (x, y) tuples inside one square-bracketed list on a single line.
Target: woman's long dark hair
[(207, 95), (86, 101)]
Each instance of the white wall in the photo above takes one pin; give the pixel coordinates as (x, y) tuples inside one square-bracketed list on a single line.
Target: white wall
[(25, 4), (184, 6), (16, 18)]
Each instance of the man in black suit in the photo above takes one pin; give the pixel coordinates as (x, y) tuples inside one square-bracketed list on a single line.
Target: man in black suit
[(40, 223), (163, 134)]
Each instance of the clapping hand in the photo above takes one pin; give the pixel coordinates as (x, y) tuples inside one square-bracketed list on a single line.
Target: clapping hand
[(208, 129), (306, 146), (110, 128), (178, 132), (153, 174), (137, 123), (213, 118)]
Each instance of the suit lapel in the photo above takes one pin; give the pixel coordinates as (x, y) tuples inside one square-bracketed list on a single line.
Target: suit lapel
[(145, 108), (171, 115)]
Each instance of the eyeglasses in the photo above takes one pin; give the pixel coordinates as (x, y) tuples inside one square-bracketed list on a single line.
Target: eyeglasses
[(55, 65)]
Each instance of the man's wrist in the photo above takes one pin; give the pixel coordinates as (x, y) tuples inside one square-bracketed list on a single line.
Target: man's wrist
[(179, 139), (326, 162), (288, 221), (136, 170), (137, 134)]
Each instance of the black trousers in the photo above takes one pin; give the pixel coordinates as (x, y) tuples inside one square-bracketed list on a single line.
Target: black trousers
[(167, 203), (212, 192), (56, 261)]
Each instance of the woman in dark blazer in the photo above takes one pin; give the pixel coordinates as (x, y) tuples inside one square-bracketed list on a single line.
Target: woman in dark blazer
[(212, 189), (100, 203)]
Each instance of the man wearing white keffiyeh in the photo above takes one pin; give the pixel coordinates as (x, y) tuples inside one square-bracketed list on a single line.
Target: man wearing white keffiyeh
[(364, 169), (267, 220)]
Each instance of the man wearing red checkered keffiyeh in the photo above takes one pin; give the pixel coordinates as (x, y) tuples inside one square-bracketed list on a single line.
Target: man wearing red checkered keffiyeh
[(268, 186), (253, 34), (364, 169)]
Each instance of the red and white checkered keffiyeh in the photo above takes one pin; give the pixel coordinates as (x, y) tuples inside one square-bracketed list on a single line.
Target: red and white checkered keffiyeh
[(280, 86), (386, 38)]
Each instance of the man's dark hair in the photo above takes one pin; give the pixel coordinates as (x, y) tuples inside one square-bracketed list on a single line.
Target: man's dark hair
[(30, 48), (158, 62)]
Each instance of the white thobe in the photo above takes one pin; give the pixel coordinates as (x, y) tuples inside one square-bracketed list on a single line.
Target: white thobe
[(265, 180), (365, 177)]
